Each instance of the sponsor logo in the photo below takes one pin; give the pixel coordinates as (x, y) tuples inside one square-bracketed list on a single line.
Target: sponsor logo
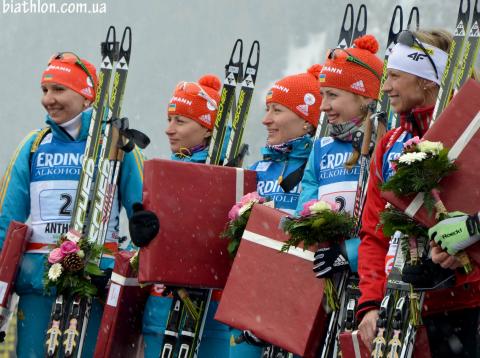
[(332, 69), (59, 68), (210, 106), (456, 232), (281, 88), (59, 159), (269, 94), (181, 100), (359, 86), (417, 56), (206, 118), (303, 108), (322, 77), (309, 99), (172, 107)]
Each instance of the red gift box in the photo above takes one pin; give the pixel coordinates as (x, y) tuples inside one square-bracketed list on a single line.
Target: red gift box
[(121, 326), (192, 202), (14, 246), (352, 346), (274, 294), (457, 128)]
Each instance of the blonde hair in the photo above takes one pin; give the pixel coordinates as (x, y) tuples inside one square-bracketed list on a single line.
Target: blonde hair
[(439, 38)]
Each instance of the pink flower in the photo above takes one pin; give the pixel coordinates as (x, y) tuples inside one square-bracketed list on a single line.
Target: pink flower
[(411, 142), (253, 196), (56, 255), (306, 207), (69, 247), (233, 213)]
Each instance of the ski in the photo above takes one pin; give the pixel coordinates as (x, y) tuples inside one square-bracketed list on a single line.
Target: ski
[(84, 189), (234, 72), (447, 83), (348, 33), (97, 185), (234, 149)]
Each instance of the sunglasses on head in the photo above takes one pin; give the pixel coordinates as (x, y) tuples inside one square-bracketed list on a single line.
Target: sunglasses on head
[(70, 57), (407, 38), (353, 59), (196, 90)]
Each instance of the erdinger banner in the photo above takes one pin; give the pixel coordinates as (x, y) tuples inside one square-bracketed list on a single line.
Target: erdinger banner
[(14, 246), (274, 294), (121, 326), (192, 202)]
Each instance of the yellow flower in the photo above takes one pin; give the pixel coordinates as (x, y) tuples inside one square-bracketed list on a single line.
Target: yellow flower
[(430, 147), (319, 206)]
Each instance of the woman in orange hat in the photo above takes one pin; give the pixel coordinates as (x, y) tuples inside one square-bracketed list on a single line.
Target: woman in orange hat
[(41, 182)]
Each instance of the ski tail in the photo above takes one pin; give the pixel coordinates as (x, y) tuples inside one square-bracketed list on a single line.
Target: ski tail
[(172, 329), (243, 105), (384, 112), (348, 33), (447, 84), (414, 14), (234, 70)]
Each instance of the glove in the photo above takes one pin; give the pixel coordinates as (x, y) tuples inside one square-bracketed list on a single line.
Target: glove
[(428, 276), (456, 233), (143, 225), (250, 338), (329, 260), (101, 282)]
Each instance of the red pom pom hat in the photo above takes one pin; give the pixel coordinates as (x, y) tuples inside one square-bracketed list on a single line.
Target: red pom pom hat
[(300, 93), (356, 69), (197, 101)]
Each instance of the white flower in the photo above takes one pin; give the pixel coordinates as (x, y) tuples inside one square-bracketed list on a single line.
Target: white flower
[(71, 236), (319, 206), (409, 158), (247, 206), (55, 271), (81, 254), (430, 147)]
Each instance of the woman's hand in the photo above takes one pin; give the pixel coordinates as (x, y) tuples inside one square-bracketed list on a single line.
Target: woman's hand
[(368, 327), (442, 258)]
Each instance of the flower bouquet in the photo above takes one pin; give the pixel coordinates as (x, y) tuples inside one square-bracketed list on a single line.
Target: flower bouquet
[(420, 168), (71, 264), (319, 222), (238, 218)]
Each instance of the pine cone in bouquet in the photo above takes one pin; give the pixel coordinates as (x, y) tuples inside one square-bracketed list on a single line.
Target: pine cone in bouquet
[(73, 262)]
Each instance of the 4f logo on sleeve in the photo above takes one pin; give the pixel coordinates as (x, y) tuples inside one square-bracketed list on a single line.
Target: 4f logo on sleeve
[(416, 56)]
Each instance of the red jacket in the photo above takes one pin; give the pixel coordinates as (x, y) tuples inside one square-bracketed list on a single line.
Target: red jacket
[(374, 245)]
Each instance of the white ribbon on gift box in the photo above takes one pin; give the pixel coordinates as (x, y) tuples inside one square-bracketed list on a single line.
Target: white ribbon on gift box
[(453, 154), (124, 281), (277, 245), (240, 184)]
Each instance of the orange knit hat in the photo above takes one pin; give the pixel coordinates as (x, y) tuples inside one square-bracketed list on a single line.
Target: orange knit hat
[(67, 69), (355, 69), (197, 101), (300, 93)]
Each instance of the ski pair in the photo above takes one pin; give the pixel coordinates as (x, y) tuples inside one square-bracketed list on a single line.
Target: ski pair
[(397, 324), (234, 75), (189, 307), (348, 33), (96, 189)]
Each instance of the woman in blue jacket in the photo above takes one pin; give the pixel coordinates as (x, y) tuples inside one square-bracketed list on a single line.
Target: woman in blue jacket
[(41, 182), (292, 113), (350, 81), (191, 113)]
